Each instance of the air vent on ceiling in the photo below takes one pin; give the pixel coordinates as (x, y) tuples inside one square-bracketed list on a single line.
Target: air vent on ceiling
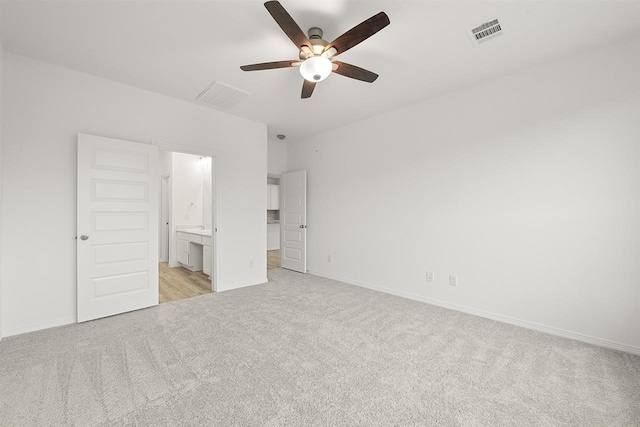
[(221, 95), (486, 31)]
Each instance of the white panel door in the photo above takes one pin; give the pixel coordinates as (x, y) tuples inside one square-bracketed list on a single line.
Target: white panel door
[(293, 221), (117, 248)]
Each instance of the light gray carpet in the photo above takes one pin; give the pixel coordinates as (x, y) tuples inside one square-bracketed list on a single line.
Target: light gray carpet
[(302, 350)]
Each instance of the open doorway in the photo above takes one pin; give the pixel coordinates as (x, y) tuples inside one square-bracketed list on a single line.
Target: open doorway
[(186, 225), (273, 222)]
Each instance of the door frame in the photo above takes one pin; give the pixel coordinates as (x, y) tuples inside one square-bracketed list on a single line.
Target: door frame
[(165, 203), (216, 164)]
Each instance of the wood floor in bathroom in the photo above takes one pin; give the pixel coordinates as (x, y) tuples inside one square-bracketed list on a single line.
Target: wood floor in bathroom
[(273, 259), (179, 283)]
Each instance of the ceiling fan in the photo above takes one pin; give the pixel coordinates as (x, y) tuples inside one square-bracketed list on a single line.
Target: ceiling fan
[(316, 55)]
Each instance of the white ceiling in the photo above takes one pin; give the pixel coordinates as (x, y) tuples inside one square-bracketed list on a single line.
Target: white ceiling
[(178, 48)]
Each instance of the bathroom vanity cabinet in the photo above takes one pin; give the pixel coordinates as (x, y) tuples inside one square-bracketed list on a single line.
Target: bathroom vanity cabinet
[(194, 250), (207, 255), (189, 250)]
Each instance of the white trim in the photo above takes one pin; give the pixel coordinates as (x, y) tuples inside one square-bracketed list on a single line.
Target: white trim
[(167, 177), (187, 149), (39, 326), (244, 284), (493, 316)]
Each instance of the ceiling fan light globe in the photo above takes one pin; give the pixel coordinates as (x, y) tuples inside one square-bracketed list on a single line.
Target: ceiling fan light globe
[(316, 68)]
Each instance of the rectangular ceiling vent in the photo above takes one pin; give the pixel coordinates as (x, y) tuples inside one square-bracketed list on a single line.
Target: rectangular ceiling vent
[(221, 95), (486, 31)]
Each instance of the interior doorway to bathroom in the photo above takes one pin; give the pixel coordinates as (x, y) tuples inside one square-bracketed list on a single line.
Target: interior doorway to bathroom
[(186, 226)]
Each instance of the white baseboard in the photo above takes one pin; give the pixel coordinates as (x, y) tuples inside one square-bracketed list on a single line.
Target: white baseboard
[(243, 284), (38, 326), (493, 316)]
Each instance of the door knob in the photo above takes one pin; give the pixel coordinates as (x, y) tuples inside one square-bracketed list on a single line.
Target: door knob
[(303, 226), (84, 237)]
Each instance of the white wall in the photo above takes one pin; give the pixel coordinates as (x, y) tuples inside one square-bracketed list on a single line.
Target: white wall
[(276, 157), (1, 184), (207, 201), (164, 162), (187, 191), (44, 108), (526, 187)]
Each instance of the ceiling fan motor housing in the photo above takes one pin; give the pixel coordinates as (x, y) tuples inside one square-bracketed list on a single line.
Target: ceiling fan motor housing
[(317, 42)]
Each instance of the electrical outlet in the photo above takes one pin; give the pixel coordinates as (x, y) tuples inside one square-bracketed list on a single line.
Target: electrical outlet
[(453, 280), (429, 276), (329, 258)]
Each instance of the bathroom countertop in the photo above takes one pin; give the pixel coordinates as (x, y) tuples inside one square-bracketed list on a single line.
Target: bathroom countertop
[(199, 231)]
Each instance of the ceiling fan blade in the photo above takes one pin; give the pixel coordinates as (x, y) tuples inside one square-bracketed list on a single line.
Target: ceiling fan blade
[(358, 34), (288, 25), (354, 72), (307, 88), (270, 65)]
